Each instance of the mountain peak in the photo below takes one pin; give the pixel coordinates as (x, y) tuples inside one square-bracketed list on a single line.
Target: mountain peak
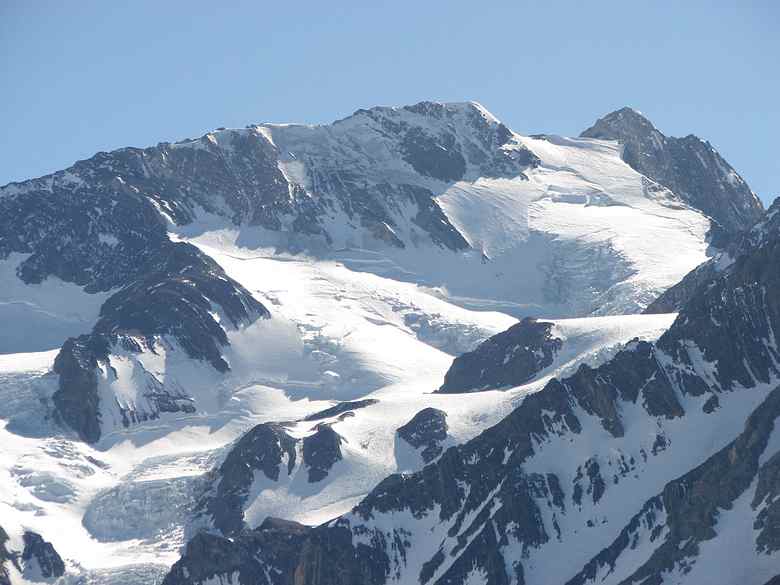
[(689, 166), (432, 110), (436, 108), (619, 123)]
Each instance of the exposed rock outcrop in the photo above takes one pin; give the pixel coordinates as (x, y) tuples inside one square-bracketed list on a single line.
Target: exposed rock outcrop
[(510, 358), (321, 451), (340, 408), (42, 554), (5, 558), (685, 514), (264, 556), (176, 296), (426, 431), (266, 449)]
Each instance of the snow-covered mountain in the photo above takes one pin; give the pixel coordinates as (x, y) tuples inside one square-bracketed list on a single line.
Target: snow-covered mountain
[(660, 465), (269, 321)]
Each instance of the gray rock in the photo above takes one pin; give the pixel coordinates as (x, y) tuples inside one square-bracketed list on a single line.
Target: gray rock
[(768, 496), (321, 451), (42, 553), (38, 556), (5, 557), (509, 358), (426, 430), (264, 449), (266, 555), (692, 503), (175, 296), (76, 399), (341, 408)]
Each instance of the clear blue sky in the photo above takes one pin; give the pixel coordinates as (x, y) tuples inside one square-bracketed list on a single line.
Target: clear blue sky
[(79, 77)]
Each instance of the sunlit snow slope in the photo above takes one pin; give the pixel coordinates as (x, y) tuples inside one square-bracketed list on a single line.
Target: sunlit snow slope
[(335, 335), (576, 232)]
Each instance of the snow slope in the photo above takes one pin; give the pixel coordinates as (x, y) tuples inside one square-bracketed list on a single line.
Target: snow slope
[(336, 335), (579, 233), (38, 317)]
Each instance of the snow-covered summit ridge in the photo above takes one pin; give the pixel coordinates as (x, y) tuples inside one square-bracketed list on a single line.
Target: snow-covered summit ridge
[(443, 193)]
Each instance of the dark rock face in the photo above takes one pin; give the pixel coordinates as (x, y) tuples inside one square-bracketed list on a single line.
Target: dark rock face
[(444, 154), (340, 408), (37, 553), (5, 557), (43, 553), (432, 219), (321, 451), (175, 296), (426, 430), (510, 358), (266, 555), (322, 560), (431, 158), (767, 497), (688, 166), (264, 449), (746, 310), (77, 399), (236, 170), (98, 237)]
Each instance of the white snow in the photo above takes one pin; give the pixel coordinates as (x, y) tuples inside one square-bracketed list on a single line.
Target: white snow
[(39, 317), (336, 334)]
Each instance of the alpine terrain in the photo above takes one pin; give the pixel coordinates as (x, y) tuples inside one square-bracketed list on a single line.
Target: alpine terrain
[(412, 346)]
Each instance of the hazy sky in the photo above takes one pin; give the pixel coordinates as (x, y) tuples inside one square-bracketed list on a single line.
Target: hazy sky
[(79, 77)]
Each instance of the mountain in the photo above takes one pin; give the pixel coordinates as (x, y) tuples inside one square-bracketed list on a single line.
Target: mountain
[(267, 322), (660, 465), (444, 193), (689, 166)]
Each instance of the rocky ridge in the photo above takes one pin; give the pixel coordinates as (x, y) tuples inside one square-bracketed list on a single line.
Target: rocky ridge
[(689, 166)]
